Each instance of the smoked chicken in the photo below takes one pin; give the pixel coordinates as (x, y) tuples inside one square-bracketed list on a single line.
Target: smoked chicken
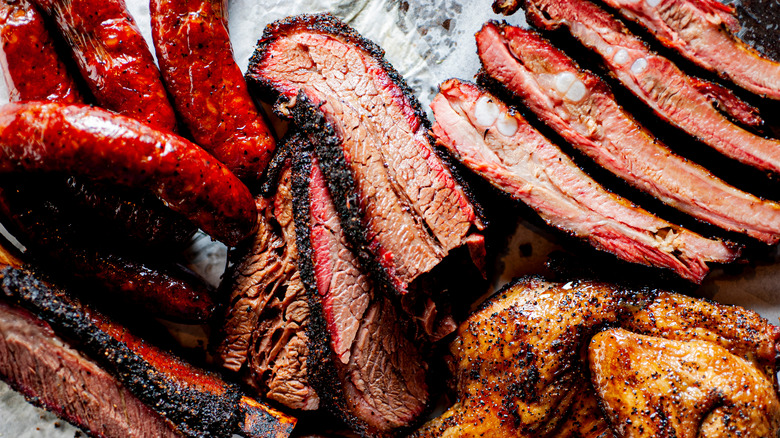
[(543, 359)]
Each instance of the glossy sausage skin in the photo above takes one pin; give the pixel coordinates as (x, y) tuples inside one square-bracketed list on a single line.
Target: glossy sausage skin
[(139, 218), (99, 145), (57, 239), (113, 58), (208, 88), (32, 68)]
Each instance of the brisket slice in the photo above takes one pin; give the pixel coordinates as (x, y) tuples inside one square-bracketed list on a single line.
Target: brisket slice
[(58, 378), (192, 401), (400, 205), (264, 333), (673, 95), (704, 31), (368, 371), (498, 144), (582, 109)]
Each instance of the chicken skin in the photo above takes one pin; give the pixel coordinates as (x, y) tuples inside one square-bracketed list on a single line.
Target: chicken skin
[(656, 387), (588, 359)]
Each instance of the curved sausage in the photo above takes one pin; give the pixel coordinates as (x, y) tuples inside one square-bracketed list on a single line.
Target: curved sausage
[(33, 70), (139, 217), (99, 145), (76, 249), (208, 88), (113, 58)]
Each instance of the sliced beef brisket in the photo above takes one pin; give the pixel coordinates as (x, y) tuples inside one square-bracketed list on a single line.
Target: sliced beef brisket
[(400, 205), (264, 333), (192, 401), (33, 360), (369, 371), (498, 144), (582, 109)]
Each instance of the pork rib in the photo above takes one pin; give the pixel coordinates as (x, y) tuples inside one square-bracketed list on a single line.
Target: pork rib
[(704, 32), (398, 201), (657, 81), (498, 144), (368, 370), (582, 109)]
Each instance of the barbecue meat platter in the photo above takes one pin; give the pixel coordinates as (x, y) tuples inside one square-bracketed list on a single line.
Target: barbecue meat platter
[(389, 218)]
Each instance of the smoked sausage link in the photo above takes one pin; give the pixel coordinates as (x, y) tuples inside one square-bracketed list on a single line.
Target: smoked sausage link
[(208, 88), (99, 145), (113, 58), (33, 70)]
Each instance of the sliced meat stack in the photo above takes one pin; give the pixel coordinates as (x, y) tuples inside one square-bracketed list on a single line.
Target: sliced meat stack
[(581, 108), (369, 369), (375, 209), (401, 207), (98, 375), (499, 145), (306, 324), (265, 330)]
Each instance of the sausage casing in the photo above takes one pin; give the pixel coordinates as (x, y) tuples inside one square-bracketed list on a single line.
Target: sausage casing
[(33, 69), (99, 145), (208, 88), (113, 58)]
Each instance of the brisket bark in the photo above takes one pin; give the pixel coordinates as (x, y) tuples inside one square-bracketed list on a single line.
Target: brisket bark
[(399, 204), (704, 31), (582, 109), (34, 361), (498, 144), (194, 402), (264, 333), (369, 372), (657, 81)]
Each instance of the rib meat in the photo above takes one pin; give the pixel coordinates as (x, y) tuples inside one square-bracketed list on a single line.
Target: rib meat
[(399, 203), (704, 32), (264, 332), (369, 369), (497, 143), (582, 109), (657, 81)]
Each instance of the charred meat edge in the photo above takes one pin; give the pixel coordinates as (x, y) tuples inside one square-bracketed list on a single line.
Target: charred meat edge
[(215, 411), (324, 376), (339, 176)]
